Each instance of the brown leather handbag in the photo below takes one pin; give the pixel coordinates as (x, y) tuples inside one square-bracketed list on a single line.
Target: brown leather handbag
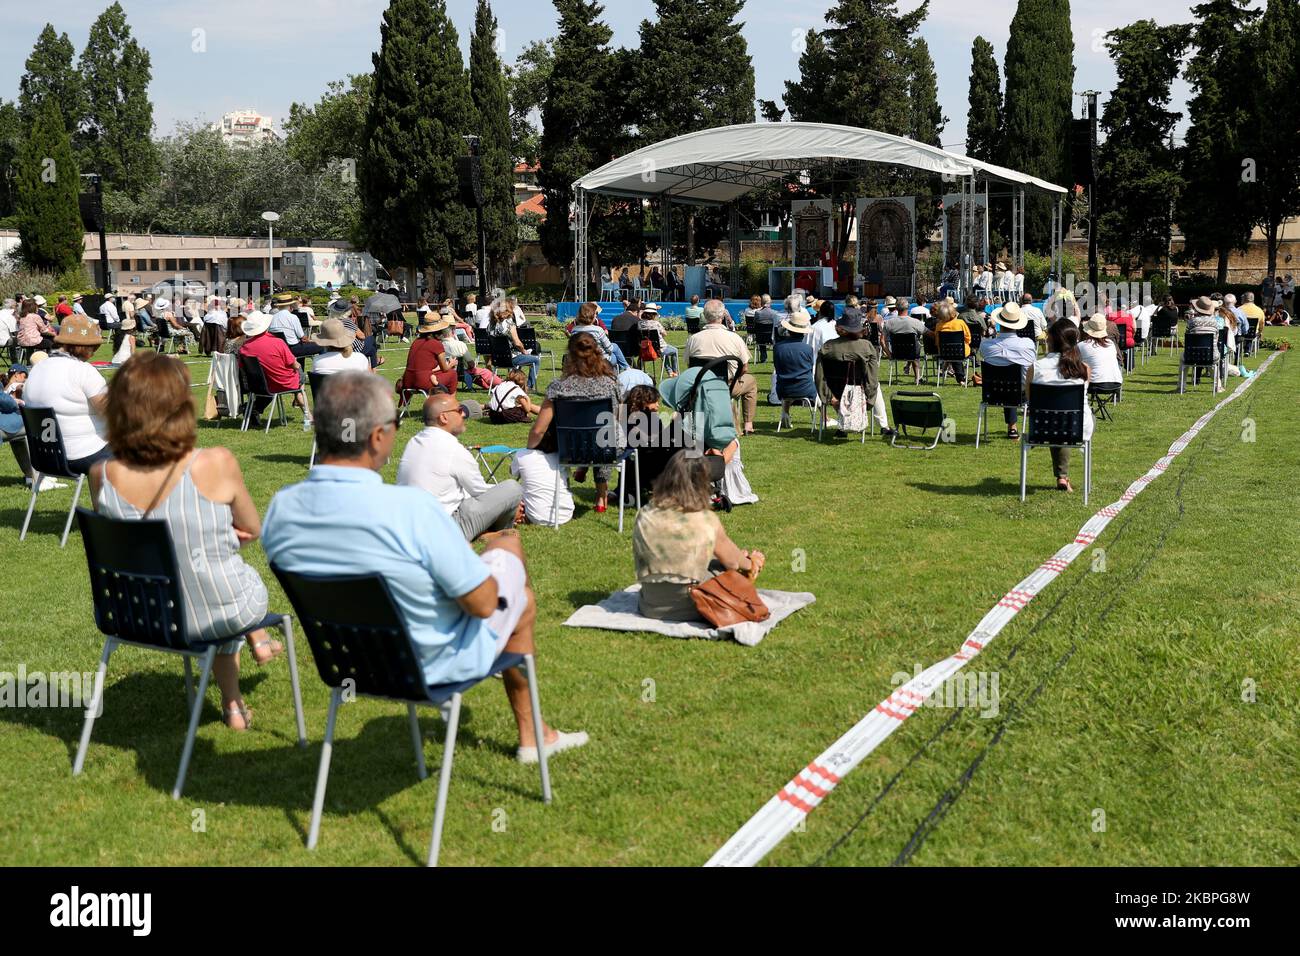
[(729, 598)]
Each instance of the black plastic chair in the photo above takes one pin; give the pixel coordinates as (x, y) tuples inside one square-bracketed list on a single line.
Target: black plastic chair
[(1162, 328), (45, 446), (692, 325), (359, 641), (528, 338), (582, 429), (482, 343), (253, 379), (1248, 344), (1056, 419), (923, 410), (503, 353), (1200, 351), (1104, 396), (907, 347), (1003, 387), (952, 351), (317, 381), (838, 374), (138, 601)]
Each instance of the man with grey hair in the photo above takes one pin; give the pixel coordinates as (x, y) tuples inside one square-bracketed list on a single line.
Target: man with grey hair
[(461, 610), (714, 341), (766, 319), (436, 461), (8, 322)]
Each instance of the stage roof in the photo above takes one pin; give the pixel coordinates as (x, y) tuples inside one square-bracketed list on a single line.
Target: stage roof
[(718, 165)]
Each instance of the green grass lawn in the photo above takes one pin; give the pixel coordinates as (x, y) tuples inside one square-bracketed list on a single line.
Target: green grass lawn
[(1121, 691)]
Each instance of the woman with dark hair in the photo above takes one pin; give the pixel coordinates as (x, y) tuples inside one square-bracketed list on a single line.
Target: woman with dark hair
[(679, 542), (1063, 366), (157, 473), (234, 335), (586, 375)]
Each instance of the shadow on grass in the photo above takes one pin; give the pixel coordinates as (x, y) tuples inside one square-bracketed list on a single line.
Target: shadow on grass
[(986, 488)]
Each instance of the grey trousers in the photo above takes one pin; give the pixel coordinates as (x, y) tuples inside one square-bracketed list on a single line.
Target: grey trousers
[(18, 442), (494, 510)]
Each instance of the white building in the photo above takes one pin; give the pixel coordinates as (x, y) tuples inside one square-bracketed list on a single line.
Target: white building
[(246, 127)]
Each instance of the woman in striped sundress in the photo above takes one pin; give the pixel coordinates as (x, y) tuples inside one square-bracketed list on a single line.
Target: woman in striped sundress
[(156, 473)]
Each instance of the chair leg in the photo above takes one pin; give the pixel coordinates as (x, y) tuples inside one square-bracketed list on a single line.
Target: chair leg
[(1087, 470), (189, 682), (195, 710), (31, 505), (534, 699), (323, 771), (417, 740), (1024, 466), (72, 510), (92, 711), (622, 487), (979, 424), (636, 457), (311, 463), (444, 779), (287, 627)]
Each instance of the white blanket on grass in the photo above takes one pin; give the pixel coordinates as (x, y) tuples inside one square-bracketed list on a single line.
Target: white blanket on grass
[(618, 612)]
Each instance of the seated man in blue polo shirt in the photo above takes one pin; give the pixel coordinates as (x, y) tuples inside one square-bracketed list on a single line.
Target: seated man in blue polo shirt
[(462, 610)]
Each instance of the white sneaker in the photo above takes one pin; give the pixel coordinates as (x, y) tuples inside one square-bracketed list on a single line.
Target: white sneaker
[(562, 742), (47, 484)]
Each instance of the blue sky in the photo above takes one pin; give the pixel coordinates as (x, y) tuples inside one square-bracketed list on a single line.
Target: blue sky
[(266, 54)]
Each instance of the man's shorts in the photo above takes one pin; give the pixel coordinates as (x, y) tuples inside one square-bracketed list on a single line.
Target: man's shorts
[(512, 593)]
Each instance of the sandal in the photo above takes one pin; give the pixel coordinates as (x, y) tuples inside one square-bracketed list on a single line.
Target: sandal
[(1012, 433), (236, 708), (1063, 484), (276, 650)]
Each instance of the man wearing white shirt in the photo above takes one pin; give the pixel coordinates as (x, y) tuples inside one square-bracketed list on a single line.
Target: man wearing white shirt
[(8, 322), (108, 317), (436, 461), (284, 322), (1034, 314)]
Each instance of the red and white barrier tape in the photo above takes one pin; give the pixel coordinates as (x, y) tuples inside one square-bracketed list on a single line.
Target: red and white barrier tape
[(784, 812)]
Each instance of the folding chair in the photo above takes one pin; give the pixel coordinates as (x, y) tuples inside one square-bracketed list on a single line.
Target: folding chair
[(45, 446), (837, 376), (1249, 343), (1056, 420), (923, 410), (256, 386), (907, 347), (581, 439), (528, 337), (609, 292), (952, 351), (692, 325), (138, 601), (482, 451), (482, 344), (1200, 350), (1104, 396), (503, 354), (317, 381), (1161, 329), (359, 640), (1003, 387)]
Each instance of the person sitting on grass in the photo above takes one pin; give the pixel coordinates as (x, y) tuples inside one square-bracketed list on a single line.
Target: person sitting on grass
[(509, 403), (436, 461), (678, 542), (535, 470), (462, 610), (1063, 366), (156, 473), (653, 440)]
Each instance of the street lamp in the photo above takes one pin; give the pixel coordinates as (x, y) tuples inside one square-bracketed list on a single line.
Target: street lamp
[(271, 219)]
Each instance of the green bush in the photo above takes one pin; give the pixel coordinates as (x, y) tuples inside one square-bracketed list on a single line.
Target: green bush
[(49, 284)]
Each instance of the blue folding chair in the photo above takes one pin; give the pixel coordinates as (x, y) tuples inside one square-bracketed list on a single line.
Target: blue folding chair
[(582, 440), (504, 453), (138, 601), (358, 637)]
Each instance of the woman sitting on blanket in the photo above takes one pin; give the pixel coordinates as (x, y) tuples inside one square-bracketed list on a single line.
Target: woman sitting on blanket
[(679, 541)]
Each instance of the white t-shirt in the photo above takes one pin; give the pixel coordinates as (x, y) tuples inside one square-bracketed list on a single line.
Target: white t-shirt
[(536, 472), (217, 317), (67, 385), (109, 312), (327, 363), (1103, 362), (8, 325), (506, 396), (1047, 373), (483, 317), (823, 331), (435, 461)]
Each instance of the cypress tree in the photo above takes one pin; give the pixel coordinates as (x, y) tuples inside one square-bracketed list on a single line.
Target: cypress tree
[(984, 104), (50, 76), (11, 137), (1038, 106), (927, 121), (808, 97), (48, 181), (119, 115), (492, 104), (1213, 209), (406, 172), (1138, 168)]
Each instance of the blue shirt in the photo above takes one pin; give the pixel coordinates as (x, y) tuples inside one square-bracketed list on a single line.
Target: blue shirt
[(630, 378), (792, 361), (344, 521), (1009, 349), (286, 322), (11, 419)]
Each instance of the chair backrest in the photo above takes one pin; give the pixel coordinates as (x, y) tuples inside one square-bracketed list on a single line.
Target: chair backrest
[(1004, 385), (721, 367), (356, 633), (917, 409), (503, 353), (482, 342), (952, 346), (1199, 348), (1162, 326), (583, 430), (839, 374), (764, 334), (133, 579), (1056, 414), (1028, 331), (254, 378), (317, 381), (528, 337), (628, 340), (1254, 328), (45, 441), (976, 337), (692, 325), (905, 346)]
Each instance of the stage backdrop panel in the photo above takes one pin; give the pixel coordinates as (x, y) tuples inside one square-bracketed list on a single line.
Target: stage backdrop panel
[(812, 230), (952, 206), (887, 245)]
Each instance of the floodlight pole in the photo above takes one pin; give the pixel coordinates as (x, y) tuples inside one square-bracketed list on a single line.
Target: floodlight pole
[(271, 219)]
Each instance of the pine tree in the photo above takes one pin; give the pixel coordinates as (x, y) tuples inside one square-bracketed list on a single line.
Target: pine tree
[(419, 111), (1138, 174), (50, 76), (1213, 209), (984, 109), (118, 137), (48, 214), (492, 104), (1038, 105), (808, 97)]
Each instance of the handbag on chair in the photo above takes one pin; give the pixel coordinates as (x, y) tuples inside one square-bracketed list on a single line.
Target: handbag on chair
[(729, 598)]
